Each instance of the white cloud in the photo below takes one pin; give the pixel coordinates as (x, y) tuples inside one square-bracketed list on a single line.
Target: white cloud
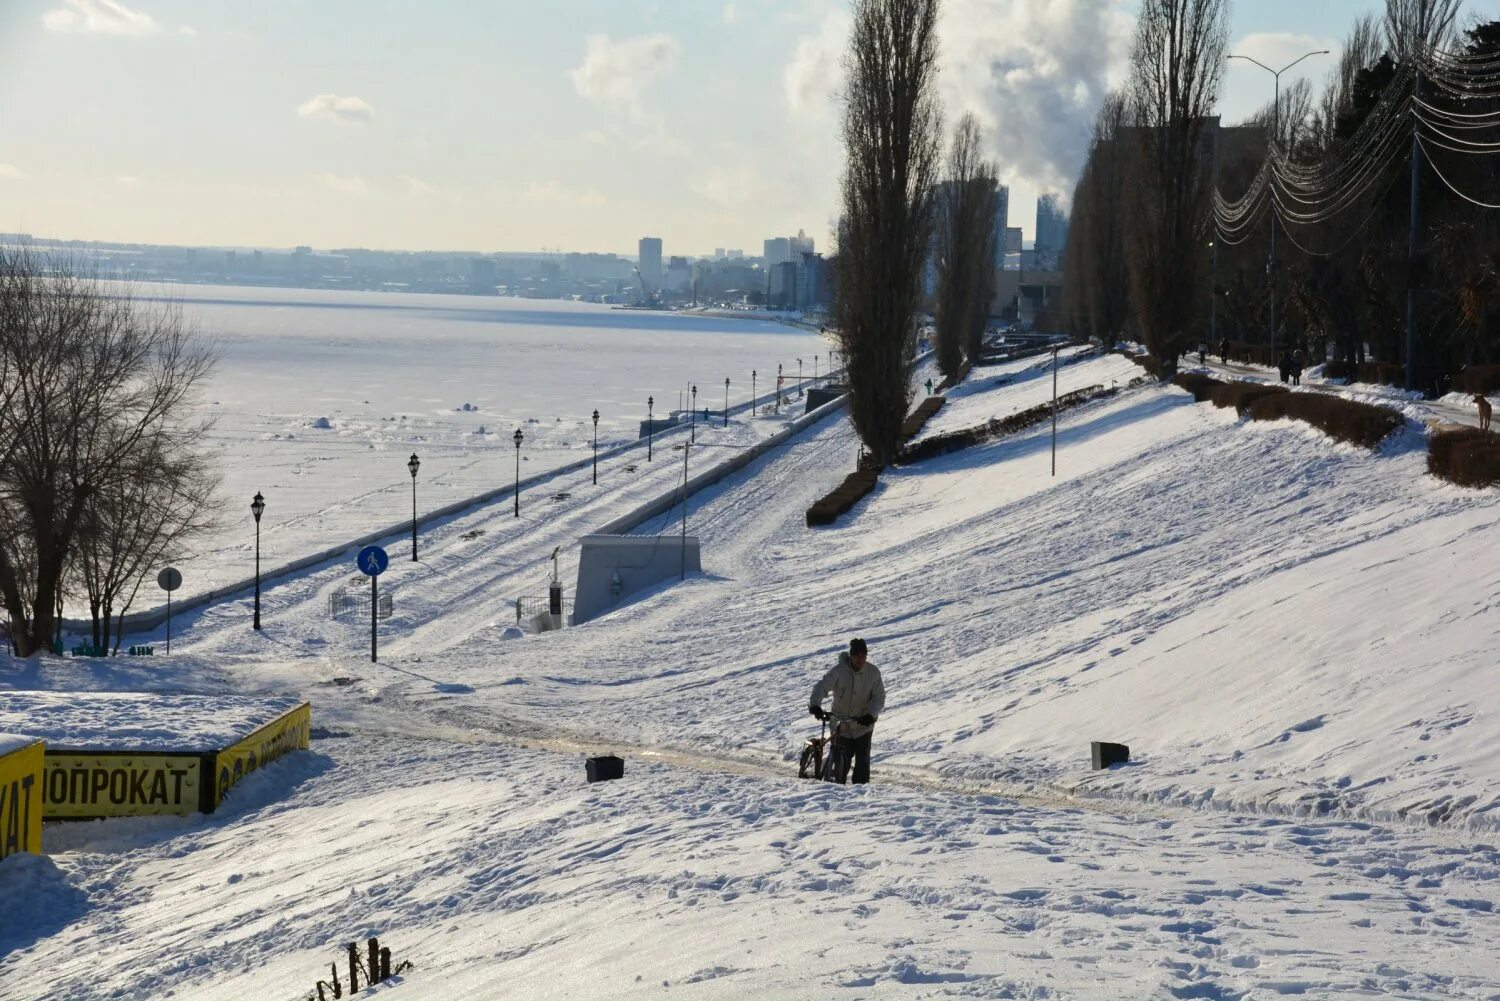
[(10, 172), (732, 185), (617, 74), (344, 184), (814, 78), (593, 137), (336, 108), (1248, 88), (417, 186), (557, 193), (128, 181), (100, 17)]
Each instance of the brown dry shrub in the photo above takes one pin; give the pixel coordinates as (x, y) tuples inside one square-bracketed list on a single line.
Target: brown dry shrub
[(1478, 379), (1341, 419), (1466, 456), (1240, 395), (855, 487), (1197, 383)]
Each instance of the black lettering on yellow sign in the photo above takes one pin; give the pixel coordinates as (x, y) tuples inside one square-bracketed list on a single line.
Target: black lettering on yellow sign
[(291, 732), (21, 801), (83, 785)]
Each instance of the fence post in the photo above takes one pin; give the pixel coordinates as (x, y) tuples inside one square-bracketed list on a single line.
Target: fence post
[(353, 969), (385, 964), (338, 989), (372, 971)]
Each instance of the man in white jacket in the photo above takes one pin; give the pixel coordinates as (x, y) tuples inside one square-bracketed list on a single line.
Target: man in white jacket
[(858, 700)]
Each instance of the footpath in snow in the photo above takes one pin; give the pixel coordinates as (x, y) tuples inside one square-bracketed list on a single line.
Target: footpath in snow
[(1294, 637)]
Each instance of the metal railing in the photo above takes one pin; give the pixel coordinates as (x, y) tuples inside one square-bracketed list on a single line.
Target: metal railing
[(527, 608), (356, 604)]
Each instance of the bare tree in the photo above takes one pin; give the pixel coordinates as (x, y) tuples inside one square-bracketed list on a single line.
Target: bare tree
[(965, 209), (1096, 283), (1176, 68), (892, 146), (99, 385), (1414, 26)]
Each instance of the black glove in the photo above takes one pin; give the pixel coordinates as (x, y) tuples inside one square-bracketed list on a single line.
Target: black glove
[(865, 720), (818, 712)]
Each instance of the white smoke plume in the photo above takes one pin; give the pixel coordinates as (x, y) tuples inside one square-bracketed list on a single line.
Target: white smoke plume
[(1034, 72)]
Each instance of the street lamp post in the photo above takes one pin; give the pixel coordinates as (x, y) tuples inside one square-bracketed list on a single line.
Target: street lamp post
[(778, 387), (650, 425), (693, 418), (799, 378), (1213, 297), (517, 438), (815, 370), (752, 392), (726, 401), (596, 448), (1276, 142), (257, 508), (413, 464)]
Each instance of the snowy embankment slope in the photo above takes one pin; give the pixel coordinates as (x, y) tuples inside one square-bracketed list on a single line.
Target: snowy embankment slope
[(500, 874), (1260, 613)]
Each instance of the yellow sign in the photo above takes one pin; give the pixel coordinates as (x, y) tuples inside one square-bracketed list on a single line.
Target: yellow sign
[(122, 784), (289, 732), (21, 800)]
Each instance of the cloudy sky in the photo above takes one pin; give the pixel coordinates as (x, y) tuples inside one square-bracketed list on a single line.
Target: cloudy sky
[(501, 125)]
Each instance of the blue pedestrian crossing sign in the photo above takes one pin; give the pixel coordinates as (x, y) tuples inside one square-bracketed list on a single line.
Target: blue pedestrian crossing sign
[(373, 561)]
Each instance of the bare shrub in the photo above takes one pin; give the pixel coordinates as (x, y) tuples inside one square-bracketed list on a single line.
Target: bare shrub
[(1466, 456)]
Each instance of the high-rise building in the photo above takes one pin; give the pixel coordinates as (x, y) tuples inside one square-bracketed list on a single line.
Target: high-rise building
[(649, 253), (801, 244), (778, 250), (1002, 223), (1051, 231)]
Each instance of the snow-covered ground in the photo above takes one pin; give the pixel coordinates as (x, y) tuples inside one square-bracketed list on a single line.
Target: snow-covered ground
[(320, 397), (1295, 637)]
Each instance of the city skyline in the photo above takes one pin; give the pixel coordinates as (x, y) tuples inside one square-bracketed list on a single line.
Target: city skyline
[(447, 129)]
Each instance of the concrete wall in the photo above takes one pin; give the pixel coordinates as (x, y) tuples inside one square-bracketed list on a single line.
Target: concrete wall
[(638, 561)]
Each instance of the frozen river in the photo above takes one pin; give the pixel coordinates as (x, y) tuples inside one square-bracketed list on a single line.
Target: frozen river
[(320, 397)]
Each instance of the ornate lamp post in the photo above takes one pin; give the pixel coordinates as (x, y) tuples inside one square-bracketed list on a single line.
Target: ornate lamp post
[(693, 418), (752, 392), (650, 425), (799, 378), (726, 401), (596, 448), (257, 508), (413, 464), (517, 437)]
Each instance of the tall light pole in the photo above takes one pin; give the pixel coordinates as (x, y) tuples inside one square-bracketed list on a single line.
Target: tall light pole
[(778, 387), (257, 508), (596, 448), (650, 425), (693, 418), (815, 370), (413, 464), (799, 378), (752, 392), (517, 437), (1276, 142), (726, 401), (1213, 297)]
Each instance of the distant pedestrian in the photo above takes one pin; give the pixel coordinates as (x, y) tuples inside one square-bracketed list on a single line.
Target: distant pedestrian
[(1285, 366), (858, 700), (1202, 354), (929, 387), (1297, 369), (1224, 351)]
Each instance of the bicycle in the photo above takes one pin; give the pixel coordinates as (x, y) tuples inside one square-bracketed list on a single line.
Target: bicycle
[(823, 757)]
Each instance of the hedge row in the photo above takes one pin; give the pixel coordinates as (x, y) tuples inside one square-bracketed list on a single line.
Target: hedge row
[(854, 488), (1466, 456), (1340, 419), (1483, 379), (1150, 363), (1240, 395), (952, 441), (919, 417), (826, 509), (1202, 386), (947, 384)]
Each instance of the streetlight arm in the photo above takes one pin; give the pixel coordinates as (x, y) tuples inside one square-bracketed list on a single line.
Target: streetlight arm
[(1257, 62), (1319, 52)]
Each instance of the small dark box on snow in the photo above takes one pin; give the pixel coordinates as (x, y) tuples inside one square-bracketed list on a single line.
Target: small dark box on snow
[(1106, 754), (606, 767)]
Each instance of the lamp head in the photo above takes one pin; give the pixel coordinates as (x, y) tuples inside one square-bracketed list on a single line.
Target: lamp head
[(413, 464), (258, 506), (517, 437), (596, 417)]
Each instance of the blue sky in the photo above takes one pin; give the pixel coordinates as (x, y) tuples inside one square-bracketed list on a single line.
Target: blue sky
[(581, 124)]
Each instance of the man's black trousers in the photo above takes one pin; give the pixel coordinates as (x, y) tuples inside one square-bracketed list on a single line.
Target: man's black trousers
[(855, 750)]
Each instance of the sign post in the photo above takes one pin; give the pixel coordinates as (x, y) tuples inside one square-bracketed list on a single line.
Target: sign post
[(169, 580), (372, 562)]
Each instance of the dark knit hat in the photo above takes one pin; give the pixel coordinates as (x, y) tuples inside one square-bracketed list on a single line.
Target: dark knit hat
[(857, 646)]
